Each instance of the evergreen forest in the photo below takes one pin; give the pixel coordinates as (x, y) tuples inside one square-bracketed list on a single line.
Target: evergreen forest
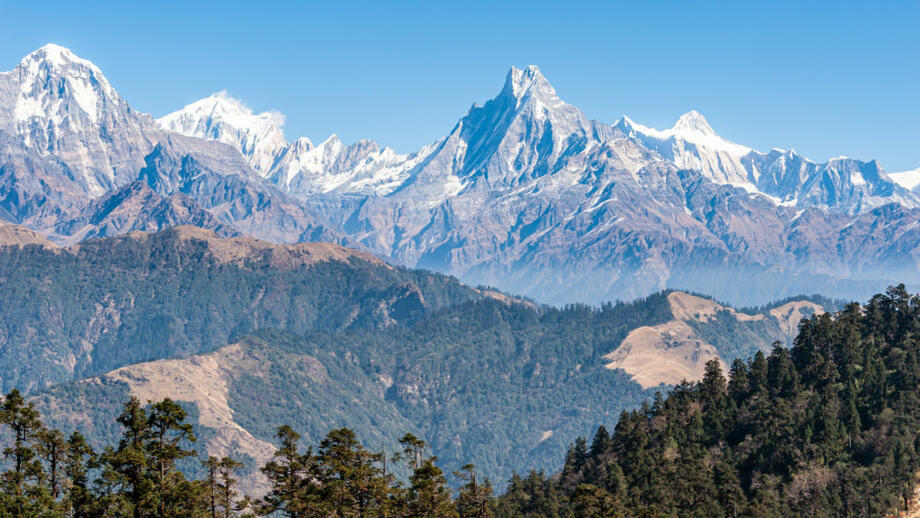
[(829, 427)]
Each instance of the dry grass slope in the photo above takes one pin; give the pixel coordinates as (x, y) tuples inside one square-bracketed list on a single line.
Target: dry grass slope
[(672, 352)]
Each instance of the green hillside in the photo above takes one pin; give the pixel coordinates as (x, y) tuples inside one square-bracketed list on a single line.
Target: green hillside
[(248, 336)]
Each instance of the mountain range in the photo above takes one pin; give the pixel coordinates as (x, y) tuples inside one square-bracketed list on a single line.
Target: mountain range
[(525, 193)]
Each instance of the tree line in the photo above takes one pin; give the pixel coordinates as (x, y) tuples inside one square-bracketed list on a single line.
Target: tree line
[(50, 475)]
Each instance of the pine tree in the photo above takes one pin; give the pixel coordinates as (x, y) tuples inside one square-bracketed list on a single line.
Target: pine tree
[(590, 501), (140, 477), (474, 496), (168, 434), (25, 494), (52, 450), (289, 473), (351, 479), (429, 496), (220, 493), (127, 466), (600, 444), (80, 457)]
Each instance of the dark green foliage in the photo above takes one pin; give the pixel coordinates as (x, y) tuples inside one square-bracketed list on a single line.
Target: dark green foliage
[(497, 376), (47, 475), (352, 343), (736, 339), (828, 428), (427, 495), (474, 498), (219, 488)]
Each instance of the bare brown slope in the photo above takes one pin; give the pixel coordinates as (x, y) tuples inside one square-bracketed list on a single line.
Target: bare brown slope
[(671, 352), (17, 235), (203, 380)]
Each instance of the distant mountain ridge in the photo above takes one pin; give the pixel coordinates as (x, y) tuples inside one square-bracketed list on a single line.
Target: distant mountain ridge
[(525, 192)]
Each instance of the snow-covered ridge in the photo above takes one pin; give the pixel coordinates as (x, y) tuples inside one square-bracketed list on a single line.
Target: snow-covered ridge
[(298, 168), (906, 179), (82, 81), (506, 141), (504, 128), (691, 127), (259, 137), (62, 106), (525, 191)]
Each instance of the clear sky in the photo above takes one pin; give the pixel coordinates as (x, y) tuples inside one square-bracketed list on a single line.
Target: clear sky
[(825, 78)]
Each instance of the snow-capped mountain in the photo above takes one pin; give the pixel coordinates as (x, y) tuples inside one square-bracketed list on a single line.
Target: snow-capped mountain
[(907, 179), (525, 192), (298, 168), (528, 193), (359, 168), (692, 144), (67, 139), (62, 107), (840, 184), (259, 137)]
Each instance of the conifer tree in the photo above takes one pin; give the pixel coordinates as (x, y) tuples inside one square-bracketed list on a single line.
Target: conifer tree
[(474, 496), (220, 492), (79, 459), (351, 478), (427, 495), (289, 473), (590, 501), (52, 450), (22, 484), (167, 437)]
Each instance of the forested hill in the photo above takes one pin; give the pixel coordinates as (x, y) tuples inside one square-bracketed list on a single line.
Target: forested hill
[(67, 313), (828, 428), (249, 335), (505, 386)]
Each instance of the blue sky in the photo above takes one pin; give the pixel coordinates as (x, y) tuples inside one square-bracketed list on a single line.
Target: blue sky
[(826, 78)]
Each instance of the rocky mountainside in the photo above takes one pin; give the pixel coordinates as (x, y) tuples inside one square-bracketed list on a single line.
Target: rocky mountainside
[(73, 152), (525, 192), (529, 194)]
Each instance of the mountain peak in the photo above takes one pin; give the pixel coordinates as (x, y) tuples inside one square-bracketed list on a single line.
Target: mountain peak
[(694, 123), (219, 116), (78, 85), (520, 81), (56, 55), (230, 110), (55, 60)]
